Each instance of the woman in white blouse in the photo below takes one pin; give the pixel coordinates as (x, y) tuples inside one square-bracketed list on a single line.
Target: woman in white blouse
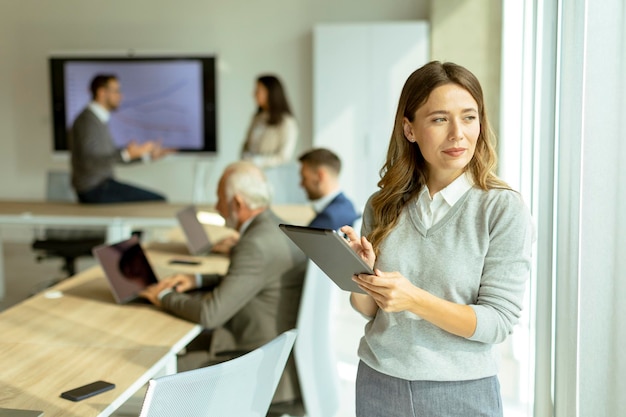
[(273, 132)]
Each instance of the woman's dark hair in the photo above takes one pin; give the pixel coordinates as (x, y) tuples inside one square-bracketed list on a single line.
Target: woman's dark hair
[(276, 99)]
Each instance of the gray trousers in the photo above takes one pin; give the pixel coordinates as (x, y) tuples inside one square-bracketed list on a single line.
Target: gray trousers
[(380, 395)]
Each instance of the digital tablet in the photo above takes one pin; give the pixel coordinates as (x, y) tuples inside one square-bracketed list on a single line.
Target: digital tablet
[(331, 252)]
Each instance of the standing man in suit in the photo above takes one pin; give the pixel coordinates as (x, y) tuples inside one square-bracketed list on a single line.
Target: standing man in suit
[(94, 153), (319, 173), (259, 296)]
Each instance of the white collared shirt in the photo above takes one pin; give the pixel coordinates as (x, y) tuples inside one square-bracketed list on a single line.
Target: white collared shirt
[(432, 210), (101, 113), (320, 204), (244, 225)]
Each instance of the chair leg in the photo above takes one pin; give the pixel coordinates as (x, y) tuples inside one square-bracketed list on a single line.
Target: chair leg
[(69, 265), (293, 408)]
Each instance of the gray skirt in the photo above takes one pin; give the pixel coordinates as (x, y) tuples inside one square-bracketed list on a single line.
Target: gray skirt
[(380, 395)]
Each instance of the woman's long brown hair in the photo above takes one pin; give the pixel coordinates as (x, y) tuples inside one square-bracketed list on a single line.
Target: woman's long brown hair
[(405, 172)]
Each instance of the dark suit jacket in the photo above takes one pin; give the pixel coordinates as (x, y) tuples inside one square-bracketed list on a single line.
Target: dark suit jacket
[(337, 213), (259, 297)]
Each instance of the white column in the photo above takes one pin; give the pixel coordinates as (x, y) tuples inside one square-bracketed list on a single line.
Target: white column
[(590, 199), (602, 273)]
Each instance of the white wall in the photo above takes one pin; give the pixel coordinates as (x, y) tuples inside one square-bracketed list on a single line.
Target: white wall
[(468, 32), (360, 70), (244, 35)]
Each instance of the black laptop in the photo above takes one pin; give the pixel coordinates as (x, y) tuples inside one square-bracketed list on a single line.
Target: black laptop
[(126, 268)]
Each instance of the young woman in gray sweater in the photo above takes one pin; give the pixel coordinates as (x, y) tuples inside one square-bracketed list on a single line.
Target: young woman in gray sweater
[(451, 246)]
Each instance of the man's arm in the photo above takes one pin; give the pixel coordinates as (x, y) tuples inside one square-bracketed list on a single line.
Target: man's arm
[(245, 278)]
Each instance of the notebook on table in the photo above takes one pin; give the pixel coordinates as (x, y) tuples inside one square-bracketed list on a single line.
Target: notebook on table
[(126, 268), (196, 238)]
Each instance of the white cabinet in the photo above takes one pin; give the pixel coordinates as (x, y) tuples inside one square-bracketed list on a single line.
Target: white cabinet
[(358, 73)]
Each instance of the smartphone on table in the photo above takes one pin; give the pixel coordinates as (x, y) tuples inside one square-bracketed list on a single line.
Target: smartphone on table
[(86, 391)]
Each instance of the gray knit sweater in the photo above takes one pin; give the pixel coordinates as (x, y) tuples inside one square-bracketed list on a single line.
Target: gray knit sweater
[(479, 254), (93, 152)]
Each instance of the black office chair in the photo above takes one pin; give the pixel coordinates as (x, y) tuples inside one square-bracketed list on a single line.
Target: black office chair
[(67, 244)]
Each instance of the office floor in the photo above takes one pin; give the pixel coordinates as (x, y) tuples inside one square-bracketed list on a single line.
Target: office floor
[(24, 276)]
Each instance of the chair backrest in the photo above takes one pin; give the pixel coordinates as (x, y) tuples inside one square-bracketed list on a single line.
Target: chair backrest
[(314, 354), (285, 181), (243, 386), (58, 187)]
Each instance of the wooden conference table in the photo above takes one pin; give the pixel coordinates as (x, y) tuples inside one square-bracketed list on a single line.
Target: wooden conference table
[(74, 333), (118, 219)]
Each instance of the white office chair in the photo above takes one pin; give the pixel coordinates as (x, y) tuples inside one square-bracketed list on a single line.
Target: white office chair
[(315, 358), (285, 181), (243, 386), (59, 187)]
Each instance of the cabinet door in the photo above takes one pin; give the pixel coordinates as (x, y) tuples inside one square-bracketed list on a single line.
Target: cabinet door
[(359, 71)]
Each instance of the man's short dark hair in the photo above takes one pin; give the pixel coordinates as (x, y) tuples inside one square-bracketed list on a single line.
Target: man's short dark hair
[(322, 157), (99, 81)]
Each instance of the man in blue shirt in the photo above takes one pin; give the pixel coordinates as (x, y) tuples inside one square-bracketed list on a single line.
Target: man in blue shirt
[(319, 174)]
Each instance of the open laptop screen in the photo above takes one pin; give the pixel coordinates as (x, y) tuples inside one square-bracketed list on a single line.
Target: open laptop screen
[(126, 268), (197, 240)]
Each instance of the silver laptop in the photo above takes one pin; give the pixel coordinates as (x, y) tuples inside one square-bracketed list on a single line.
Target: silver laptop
[(197, 240), (126, 268)]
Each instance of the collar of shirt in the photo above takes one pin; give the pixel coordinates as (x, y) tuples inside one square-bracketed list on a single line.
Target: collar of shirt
[(101, 113), (245, 224), (453, 192), (433, 209), (321, 203)]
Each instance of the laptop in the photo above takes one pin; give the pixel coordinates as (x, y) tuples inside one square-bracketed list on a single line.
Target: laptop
[(196, 237), (126, 268)]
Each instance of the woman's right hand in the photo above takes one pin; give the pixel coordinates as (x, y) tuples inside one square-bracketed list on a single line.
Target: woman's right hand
[(361, 245)]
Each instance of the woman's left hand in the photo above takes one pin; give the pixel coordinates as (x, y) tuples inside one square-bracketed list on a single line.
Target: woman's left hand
[(391, 290), (393, 293)]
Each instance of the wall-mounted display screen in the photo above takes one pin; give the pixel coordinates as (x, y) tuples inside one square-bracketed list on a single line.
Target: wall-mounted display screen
[(169, 99)]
